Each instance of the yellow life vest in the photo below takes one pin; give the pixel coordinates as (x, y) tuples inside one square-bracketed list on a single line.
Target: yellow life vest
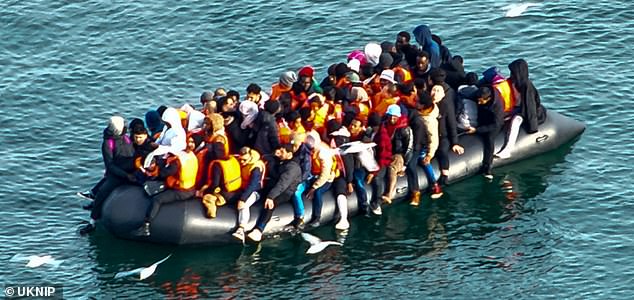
[(504, 92), (231, 179), (187, 171), (221, 138), (246, 170), (316, 165)]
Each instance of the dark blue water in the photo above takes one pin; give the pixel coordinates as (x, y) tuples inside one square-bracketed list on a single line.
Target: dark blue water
[(564, 232)]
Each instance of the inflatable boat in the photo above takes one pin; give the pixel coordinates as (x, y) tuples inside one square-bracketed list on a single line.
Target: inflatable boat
[(184, 223)]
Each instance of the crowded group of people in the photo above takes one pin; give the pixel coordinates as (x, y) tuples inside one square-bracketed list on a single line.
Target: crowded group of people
[(405, 102)]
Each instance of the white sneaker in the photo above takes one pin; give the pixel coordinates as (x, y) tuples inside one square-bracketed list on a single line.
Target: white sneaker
[(255, 235), (239, 234), (343, 224), (377, 211), (503, 154)]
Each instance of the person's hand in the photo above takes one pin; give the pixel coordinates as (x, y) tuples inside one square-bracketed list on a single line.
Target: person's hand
[(309, 194), (240, 204), (457, 149), (198, 194), (349, 189), (471, 130), (269, 204), (427, 159), (369, 178)]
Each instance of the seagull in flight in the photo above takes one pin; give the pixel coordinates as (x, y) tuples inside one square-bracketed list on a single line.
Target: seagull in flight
[(35, 261), (143, 272), (316, 244)]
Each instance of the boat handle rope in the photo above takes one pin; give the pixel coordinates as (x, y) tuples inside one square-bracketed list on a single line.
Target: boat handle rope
[(541, 138)]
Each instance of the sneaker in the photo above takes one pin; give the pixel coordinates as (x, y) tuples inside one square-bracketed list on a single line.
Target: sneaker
[(377, 211), (144, 230), (443, 180), (343, 224), (88, 206), (488, 176), (314, 224), (86, 195), (239, 234), (503, 155), (298, 223), (415, 200), (255, 235), (436, 191), (86, 229)]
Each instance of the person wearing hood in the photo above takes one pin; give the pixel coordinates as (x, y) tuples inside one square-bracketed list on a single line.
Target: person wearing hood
[(173, 138), (179, 171), (531, 108), (447, 128), (342, 186), (154, 124), (372, 53), (445, 54), (118, 158), (324, 170), (455, 71), (490, 122), (284, 85), (423, 36), (267, 133), (397, 126), (252, 170)]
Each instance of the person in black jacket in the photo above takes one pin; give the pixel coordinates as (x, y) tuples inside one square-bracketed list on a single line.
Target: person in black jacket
[(531, 108), (446, 124), (342, 186), (267, 133), (490, 122), (118, 158), (289, 175)]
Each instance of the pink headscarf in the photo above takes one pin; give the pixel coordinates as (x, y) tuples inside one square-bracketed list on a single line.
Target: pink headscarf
[(358, 55)]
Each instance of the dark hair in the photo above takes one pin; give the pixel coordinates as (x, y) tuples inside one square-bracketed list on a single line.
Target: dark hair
[(367, 70), (220, 101), (404, 34), (304, 112), (436, 39), (292, 116), (374, 119), (406, 88), (272, 106), (458, 58), (288, 147), (483, 92), (420, 83), (206, 96), (437, 76), (233, 93), (425, 100), (471, 78), (423, 53), (330, 92), (253, 89), (161, 109), (332, 125)]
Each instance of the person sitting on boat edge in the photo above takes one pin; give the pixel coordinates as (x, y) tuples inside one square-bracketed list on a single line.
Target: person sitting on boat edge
[(302, 156), (252, 170), (342, 186), (118, 158), (285, 183), (490, 122), (448, 135), (397, 126), (324, 168), (358, 133), (426, 136), (179, 171)]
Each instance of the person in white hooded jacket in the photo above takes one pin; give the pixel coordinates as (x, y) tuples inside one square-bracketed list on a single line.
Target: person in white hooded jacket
[(172, 139)]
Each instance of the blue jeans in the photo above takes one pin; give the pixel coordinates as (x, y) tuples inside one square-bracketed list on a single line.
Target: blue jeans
[(298, 203), (318, 200), (429, 171), (359, 184)]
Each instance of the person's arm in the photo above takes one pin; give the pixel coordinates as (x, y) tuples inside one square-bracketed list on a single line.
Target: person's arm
[(324, 175), (253, 185), (108, 160), (283, 183)]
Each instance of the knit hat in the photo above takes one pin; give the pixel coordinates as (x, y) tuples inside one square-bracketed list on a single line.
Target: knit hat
[(394, 110), (250, 111), (372, 52), (206, 96), (388, 75), (358, 55), (306, 71), (116, 124), (385, 60), (353, 77), (153, 121), (386, 46), (288, 78), (354, 65)]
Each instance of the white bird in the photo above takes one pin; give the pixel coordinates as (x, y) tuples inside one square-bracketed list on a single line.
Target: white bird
[(35, 261), (516, 10), (316, 244), (143, 272)]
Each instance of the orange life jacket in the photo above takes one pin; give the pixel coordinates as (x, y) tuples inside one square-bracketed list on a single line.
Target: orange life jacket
[(403, 74), (185, 179), (246, 170), (316, 164), (504, 91), (231, 178), (277, 90)]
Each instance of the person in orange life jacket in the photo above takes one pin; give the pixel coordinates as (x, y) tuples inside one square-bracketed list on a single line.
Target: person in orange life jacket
[(252, 171), (424, 123), (447, 122), (342, 186), (292, 125), (388, 94), (223, 180), (179, 172), (490, 122), (284, 184), (267, 134), (303, 87), (319, 109), (118, 158), (216, 145), (323, 166), (284, 85), (407, 94), (402, 145), (360, 101), (256, 95)]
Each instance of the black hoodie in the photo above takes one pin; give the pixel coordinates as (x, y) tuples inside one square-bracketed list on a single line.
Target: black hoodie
[(532, 110)]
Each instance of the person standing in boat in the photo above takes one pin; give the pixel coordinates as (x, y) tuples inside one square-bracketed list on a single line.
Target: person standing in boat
[(179, 171), (118, 158), (490, 122), (285, 183), (252, 170), (446, 123)]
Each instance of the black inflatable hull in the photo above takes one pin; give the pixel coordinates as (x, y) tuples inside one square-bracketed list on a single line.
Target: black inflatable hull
[(184, 223)]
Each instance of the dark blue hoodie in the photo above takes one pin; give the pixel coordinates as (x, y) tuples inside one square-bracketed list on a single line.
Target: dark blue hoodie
[(422, 34)]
